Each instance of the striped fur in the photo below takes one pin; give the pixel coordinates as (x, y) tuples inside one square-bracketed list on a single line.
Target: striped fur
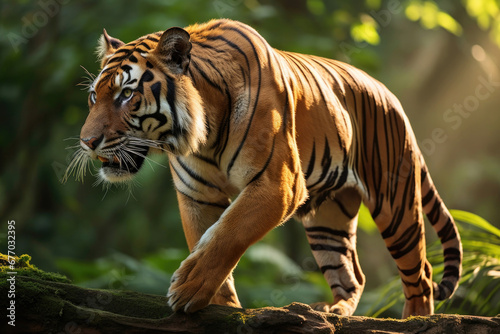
[(255, 136)]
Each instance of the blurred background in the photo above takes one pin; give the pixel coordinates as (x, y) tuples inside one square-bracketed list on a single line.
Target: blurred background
[(440, 58)]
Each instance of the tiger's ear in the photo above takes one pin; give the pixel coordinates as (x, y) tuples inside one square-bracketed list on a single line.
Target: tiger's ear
[(106, 47), (175, 48)]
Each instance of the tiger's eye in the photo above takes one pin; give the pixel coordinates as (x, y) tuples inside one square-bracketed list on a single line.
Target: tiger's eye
[(127, 92)]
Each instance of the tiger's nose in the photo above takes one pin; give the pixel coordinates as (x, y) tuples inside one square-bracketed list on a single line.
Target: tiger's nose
[(92, 142)]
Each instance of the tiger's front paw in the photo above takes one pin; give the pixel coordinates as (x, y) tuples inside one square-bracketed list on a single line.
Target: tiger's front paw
[(191, 287)]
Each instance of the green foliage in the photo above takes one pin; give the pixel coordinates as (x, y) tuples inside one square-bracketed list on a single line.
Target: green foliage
[(365, 30), (132, 238), (487, 15), (266, 276), (479, 289), (431, 17)]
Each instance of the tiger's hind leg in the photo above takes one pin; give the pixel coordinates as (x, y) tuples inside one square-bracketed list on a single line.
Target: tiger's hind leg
[(401, 225), (331, 232)]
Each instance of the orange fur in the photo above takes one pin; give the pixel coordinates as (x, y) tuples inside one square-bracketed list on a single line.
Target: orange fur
[(282, 134)]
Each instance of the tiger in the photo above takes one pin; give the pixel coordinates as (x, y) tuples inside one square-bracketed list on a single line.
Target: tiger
[(255, 136)]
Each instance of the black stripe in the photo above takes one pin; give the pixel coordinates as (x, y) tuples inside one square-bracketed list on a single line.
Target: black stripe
[(257, 94), (326, 162), (215, 68), (376, 160), (326, 69), (258, 175), (206, 159), (415, 284), (399, 250), (205, 76), (365, 124), (128, 50), (108, 69), (405, 237), (442, 292), (171, 96), (210, 47), (310, 166), (434, 214), (130, 81), (126, 68), (321, 237), (412, 271), (160, 117), (447, 232), (424, 293), (153, 38), (387, 144), (397, 218), (344, 210), (195, 176), (147, 76), (452, 254), (423, 174), (451, 271), (337, 233), (396, 169), (329, 183), (141, 50), (156, 91), (285, 111), (218, 205), (144, 44), (427, 198), (330, 267), (224, 128), (343, 176), (119, 59), (322, 247), (216, 24), (348, 290), (184, 181), (220, 143), (378, 207), (410, 238), (133, 126)]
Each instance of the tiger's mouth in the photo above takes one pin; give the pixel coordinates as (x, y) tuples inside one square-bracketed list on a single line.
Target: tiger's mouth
[(123, 165)]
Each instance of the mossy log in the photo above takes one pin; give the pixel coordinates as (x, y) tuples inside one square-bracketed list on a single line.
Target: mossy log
[(47, 306), (49, 303)]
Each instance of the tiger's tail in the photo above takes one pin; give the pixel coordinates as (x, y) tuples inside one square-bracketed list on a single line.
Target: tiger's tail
[(446, 229)]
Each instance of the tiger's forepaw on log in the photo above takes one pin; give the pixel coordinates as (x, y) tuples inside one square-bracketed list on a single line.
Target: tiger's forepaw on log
[(191, 289)]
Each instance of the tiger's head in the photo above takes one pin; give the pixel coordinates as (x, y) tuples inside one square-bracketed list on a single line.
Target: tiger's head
[(141, 102)]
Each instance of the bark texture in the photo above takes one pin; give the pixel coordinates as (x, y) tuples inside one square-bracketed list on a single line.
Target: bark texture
[(44, 305)]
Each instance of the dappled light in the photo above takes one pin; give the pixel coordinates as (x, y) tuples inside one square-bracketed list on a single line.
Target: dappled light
[(440, 59)]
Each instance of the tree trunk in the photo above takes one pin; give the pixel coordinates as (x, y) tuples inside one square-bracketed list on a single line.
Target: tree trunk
[(47, 306)]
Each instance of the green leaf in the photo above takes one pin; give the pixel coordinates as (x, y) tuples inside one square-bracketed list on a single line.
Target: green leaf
[(365, 32), (317, 7), (475, 220), (449, 23)]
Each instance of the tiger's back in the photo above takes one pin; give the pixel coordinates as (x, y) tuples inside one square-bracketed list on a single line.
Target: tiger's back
[(287, 134)]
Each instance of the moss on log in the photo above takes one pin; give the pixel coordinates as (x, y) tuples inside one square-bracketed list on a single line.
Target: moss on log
[(50, 304)]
